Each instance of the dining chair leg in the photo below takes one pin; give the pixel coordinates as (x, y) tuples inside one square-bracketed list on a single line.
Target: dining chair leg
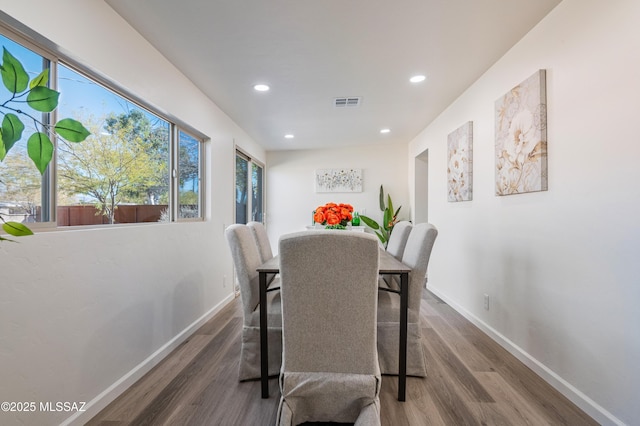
[(402, 361), (264, 344)]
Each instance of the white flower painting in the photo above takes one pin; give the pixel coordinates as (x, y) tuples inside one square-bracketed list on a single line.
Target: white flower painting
[(460, 161), (339, 180), (521, 138)]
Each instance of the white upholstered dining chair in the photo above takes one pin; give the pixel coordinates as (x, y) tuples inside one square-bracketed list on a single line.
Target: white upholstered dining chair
[(246, 258), (398, 239), (262, 239), (330, 370), (395, 247), (416, 255)]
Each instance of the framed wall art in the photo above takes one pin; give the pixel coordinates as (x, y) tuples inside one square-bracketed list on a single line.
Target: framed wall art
[(521, 137), (339, 180), (460, 163)]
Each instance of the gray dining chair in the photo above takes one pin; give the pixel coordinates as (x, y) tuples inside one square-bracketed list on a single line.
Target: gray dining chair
[(395, 247), (246, 258), (416, 255), (262, 239), (264, 247), (330, 370), (398, 239)]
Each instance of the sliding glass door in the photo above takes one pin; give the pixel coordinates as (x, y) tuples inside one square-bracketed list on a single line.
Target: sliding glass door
[(249, 192)]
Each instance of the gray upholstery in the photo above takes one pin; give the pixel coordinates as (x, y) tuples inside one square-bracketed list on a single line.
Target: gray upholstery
[(329, 292), (246, 258), (416, 255), (398, 239), (260, 234), (395, 247)]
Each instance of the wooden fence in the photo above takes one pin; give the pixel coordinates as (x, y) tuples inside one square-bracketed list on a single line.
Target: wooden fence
[(89, 215)]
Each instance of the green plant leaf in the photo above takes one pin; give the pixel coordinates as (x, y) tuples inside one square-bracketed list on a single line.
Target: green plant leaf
[(3, 151), (396, 213), (381, 199), (40, 150), (43, 99), (369, 222), (71, 130), (387, 218), (12, 129), (14, 77), (41, 79), (389, 204), (16, 229), (381, 238)]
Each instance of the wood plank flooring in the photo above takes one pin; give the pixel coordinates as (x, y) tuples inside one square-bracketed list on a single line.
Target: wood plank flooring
[(472, 381)]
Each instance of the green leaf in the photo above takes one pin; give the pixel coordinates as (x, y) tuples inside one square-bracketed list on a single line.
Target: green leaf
[(381, 199), (16, 229), (369, 222), (40, 150), (71, 130), (14, 77), (396, 213), (43, 99), (41, 80), (390, 204), (12, 129), (381, 238), (386, 219), (3, 151)]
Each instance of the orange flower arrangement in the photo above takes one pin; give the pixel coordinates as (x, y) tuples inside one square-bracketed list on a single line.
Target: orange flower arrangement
[(334, 216)]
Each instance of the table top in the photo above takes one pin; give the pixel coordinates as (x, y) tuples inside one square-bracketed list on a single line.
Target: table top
[(388, 265)]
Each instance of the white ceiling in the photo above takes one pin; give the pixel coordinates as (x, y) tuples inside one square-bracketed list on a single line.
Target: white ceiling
[(311, 52)]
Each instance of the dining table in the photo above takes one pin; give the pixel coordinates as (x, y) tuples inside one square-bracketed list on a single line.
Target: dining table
[(388, 265)]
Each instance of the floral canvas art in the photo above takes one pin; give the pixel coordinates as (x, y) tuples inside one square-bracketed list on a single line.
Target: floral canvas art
[(339, 180), (521, 138), (460, 162)]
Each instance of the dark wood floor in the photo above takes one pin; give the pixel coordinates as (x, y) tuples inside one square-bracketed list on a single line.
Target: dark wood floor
[(472, 381)]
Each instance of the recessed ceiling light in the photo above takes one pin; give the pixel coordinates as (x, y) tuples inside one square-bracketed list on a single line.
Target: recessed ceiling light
[(288, 136), (417, 78), (384, 131), (261, 87)]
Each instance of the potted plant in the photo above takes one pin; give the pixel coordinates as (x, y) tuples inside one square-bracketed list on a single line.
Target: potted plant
[(389, 219)]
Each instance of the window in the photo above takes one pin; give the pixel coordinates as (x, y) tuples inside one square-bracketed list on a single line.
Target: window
[(256, 191), (136, 166), (249, 189), (189, 178), (21, 185)]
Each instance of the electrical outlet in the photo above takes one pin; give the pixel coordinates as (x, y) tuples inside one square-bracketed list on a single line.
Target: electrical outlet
[(486, 302), (224, 281)]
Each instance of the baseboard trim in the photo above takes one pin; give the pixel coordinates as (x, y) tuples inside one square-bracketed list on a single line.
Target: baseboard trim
[(107, 396), (597, 412)]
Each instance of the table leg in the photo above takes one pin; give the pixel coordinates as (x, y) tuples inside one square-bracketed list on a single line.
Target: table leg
[(402, 361), (264, 354)]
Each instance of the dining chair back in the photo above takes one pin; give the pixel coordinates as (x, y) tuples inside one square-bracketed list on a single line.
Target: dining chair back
[(416, 255), (330, 370), (246, 258), (398, 239), (262, 239)]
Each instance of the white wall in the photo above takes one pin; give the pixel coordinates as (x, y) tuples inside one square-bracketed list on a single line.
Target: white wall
[(561, 267), (82, 309), (291, 197)]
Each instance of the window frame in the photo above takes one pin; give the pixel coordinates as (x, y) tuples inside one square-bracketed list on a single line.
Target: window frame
[(176, 180), (49, 194), (250, 162)]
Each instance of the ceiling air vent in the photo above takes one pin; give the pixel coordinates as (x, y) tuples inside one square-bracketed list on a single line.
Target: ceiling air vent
[(349, 102)]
